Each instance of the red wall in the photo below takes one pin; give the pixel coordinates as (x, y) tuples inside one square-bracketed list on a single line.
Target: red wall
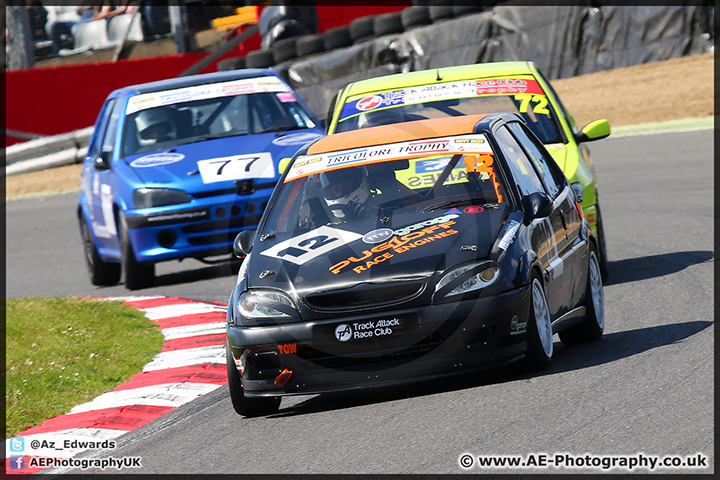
[(54, 100)]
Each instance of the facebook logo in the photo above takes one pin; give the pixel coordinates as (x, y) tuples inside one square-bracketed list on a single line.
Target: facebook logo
[(17, 444), (17, 463)]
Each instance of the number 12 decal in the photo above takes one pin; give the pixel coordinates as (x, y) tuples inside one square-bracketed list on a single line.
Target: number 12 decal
[(306, 247), (237, 167)]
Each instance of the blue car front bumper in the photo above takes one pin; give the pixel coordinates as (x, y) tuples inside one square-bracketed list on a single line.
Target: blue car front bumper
[(205, 227)]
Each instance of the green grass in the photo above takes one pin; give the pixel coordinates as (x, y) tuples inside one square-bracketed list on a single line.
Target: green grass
[(62, 352)]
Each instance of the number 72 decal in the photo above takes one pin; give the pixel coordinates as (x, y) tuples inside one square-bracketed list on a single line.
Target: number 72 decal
[(237, 167), (541, 102)]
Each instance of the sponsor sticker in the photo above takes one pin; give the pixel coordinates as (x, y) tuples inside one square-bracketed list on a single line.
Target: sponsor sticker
[(368, 103), (157, 159), (368, 329), (404, 239), (237, 167), (443, 91), (343, 332), (377, 236), (310, 245), (296, 139), (285, 97), (382, 153), (202, 92), (508, 237)]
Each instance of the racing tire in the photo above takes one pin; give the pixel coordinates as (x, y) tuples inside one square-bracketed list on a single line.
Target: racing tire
[(591, 329), (138, 275), (233, 63), (102, 274), (309, 44), (539, 329), (284, 49), (415, 16), (604, 270), (338, 37), (247, 407), (388, 23), (361, 28), (259, 59), (440, 12), (460, 10)]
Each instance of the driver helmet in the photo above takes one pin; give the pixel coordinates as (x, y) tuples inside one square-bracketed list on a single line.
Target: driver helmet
[(380, 117), (155, 125), (345, 185)]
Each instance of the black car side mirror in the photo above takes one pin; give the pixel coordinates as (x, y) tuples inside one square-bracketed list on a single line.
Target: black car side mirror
[(243, 243), (537, 205), (103, 161)]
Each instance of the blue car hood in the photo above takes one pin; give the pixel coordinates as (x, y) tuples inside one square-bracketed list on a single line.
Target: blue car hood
[(219, 163)]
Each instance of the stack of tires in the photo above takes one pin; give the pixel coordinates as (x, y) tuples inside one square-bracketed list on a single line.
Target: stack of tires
[(290, 32)]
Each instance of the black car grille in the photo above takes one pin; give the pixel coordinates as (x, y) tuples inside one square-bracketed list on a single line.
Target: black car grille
[(365, 296), (378, 360), (223, 225)]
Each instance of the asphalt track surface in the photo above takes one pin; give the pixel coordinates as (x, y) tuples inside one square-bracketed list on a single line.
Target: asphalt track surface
[(647, 388)]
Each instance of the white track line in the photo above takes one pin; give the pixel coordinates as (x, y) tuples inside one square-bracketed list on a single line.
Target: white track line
[(166, 395), (188, 356)]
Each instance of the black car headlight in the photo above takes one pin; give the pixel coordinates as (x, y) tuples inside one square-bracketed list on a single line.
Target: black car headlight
[(265, 306), (158, 197), (467, 278)]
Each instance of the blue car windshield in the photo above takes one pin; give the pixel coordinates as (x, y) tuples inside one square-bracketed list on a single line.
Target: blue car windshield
[(204, 117), (383, 109)]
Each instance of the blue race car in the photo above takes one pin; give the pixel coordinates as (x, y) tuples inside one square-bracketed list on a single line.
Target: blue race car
[(177, 168)]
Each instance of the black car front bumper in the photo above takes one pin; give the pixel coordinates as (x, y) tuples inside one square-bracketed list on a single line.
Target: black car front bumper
[(389, 347)]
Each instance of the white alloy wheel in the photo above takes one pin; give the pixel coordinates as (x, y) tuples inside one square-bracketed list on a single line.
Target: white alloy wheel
[(542, 318)]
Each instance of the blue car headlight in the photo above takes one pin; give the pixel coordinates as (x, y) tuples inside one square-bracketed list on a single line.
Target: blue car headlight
[(264, 306), (158, 197), (467, 278)]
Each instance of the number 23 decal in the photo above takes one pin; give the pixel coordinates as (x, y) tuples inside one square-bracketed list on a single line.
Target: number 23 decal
[(237, 167)]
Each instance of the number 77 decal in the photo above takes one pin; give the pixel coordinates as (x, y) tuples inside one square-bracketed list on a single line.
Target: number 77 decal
[(237, 167)]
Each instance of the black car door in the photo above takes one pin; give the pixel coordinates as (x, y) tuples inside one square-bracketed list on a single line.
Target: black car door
[(570, 255), (550, 233)]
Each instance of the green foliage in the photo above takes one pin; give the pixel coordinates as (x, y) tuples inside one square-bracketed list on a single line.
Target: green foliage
[(62, 352)]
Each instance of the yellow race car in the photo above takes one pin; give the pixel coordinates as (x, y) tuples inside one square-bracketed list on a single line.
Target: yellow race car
[(516, 87)]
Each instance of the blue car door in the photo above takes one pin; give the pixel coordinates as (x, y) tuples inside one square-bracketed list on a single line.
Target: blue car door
[(101, 192)]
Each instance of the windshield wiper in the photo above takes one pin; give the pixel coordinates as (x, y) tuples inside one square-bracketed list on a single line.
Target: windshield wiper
[(280, 128), (203, 138), (453, 203)]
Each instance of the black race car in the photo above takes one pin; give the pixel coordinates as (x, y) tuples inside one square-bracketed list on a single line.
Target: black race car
[(408, 252)]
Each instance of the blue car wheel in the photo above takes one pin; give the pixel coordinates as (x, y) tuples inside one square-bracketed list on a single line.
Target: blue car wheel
[(100, 273), (137, 274)]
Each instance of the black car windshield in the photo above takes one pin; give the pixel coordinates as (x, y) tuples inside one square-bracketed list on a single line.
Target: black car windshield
[(241, 107), (520, 94), (386, 184)]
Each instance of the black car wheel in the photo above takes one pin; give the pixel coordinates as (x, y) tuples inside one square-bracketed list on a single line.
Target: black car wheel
[(539, 329), (100, 273), (591, 328), (137, 274), (247, 407), (604, 271)]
